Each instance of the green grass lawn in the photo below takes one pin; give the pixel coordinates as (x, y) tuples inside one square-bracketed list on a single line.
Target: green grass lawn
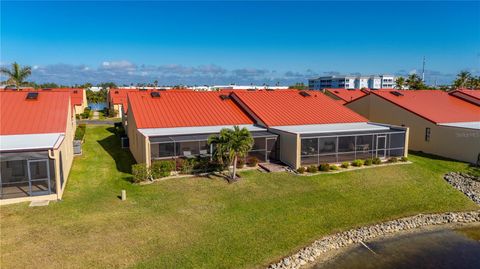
[(205, 222)]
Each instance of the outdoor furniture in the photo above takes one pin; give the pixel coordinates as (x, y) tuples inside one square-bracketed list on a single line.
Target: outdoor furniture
[(188, 155), (204, 153)]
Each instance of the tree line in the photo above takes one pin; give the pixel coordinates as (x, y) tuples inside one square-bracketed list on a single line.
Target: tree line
[(17, 75)]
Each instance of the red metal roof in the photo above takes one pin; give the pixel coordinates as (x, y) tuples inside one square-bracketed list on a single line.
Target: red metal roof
[(47, 114), (76, 94), (470, 93), (347, 95), (289, 107), (434, 105), (184, 109)]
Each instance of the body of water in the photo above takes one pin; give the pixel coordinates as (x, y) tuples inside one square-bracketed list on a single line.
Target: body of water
[(97, 106), (440, 249)]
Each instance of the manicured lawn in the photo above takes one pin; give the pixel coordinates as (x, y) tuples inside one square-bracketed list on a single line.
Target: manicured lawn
[(205, 222)]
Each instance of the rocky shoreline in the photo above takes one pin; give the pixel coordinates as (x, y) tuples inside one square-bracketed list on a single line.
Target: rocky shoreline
[(467, 184)]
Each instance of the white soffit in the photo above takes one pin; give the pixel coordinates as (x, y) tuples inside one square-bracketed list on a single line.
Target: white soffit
[(470, 125), (194, 130), (30, 141), (332, 128)]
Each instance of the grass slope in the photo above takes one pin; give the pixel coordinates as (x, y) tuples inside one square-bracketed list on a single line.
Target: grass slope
[(204, 222)]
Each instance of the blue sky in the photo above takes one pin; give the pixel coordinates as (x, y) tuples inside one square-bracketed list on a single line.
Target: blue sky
[(238, 42)]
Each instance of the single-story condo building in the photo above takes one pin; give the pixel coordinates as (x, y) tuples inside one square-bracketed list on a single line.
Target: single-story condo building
[(440, 123), (177, 124), (314, 129), (297, 128), (36, 151)]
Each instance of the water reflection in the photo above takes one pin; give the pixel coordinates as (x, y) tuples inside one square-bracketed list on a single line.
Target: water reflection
[(436, 249)]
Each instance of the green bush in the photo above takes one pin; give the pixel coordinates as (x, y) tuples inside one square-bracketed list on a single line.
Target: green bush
[(301, 170), (80, 132), (186, 166), (252, 161), (161, 169), (393, 160), (357, 163), (368, 162), (334, 167), (140, 172), (324, 167), (312, 169), (240, 163), (345, 165), (376, 160), (404, 159)]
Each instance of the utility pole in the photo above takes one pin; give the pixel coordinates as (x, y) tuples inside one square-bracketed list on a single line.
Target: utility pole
[(423, 70)]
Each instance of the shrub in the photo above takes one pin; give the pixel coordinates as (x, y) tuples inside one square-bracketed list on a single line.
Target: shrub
[(345, 165), (186, 165), (252, 161), (301, 170), (368, 162), (80, 132), (404, 159), (357, 163), (376, 160), (77, 116), (140, 172), (393, 160), (324, 167), (240, 163), (334, 167), (161, 169), (312, 169)]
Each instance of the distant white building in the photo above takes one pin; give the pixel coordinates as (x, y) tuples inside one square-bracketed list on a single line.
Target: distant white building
[(352, 82)]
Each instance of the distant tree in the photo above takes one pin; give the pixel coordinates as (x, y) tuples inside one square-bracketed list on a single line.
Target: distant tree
[(414, 82), (107, 85), (48, 85), (17, 74), (400, 83), (230, 145), (298, 86), (155, 83), (462, 80)]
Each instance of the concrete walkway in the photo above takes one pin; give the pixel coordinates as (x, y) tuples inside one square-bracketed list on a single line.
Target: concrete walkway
[(95, 115)]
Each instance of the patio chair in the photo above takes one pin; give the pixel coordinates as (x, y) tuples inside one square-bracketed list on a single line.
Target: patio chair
[(204, 153), (188, 155)]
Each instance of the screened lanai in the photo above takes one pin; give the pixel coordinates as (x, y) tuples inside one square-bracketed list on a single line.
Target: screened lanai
[(195, 145), (336, 143), (26, 168)]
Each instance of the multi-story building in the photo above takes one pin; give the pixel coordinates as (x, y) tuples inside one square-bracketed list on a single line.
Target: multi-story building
[(352, 82)]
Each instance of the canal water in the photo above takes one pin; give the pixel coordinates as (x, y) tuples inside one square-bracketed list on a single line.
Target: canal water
[(97, 106), (439, 249)]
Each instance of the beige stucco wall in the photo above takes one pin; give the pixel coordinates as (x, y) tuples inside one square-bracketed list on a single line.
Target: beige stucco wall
[(289, 148), (456, 143), (138, 143), (66, 148), (118, 110)]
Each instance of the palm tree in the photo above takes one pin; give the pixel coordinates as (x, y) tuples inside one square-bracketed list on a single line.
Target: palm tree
[(462, 79), (230, 145), (17, 74), (414, 82), (400, 83)]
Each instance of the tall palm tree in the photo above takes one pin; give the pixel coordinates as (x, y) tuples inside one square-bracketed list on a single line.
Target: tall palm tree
[(230, 145), (462, 79), (17, 74), (400, 83)]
